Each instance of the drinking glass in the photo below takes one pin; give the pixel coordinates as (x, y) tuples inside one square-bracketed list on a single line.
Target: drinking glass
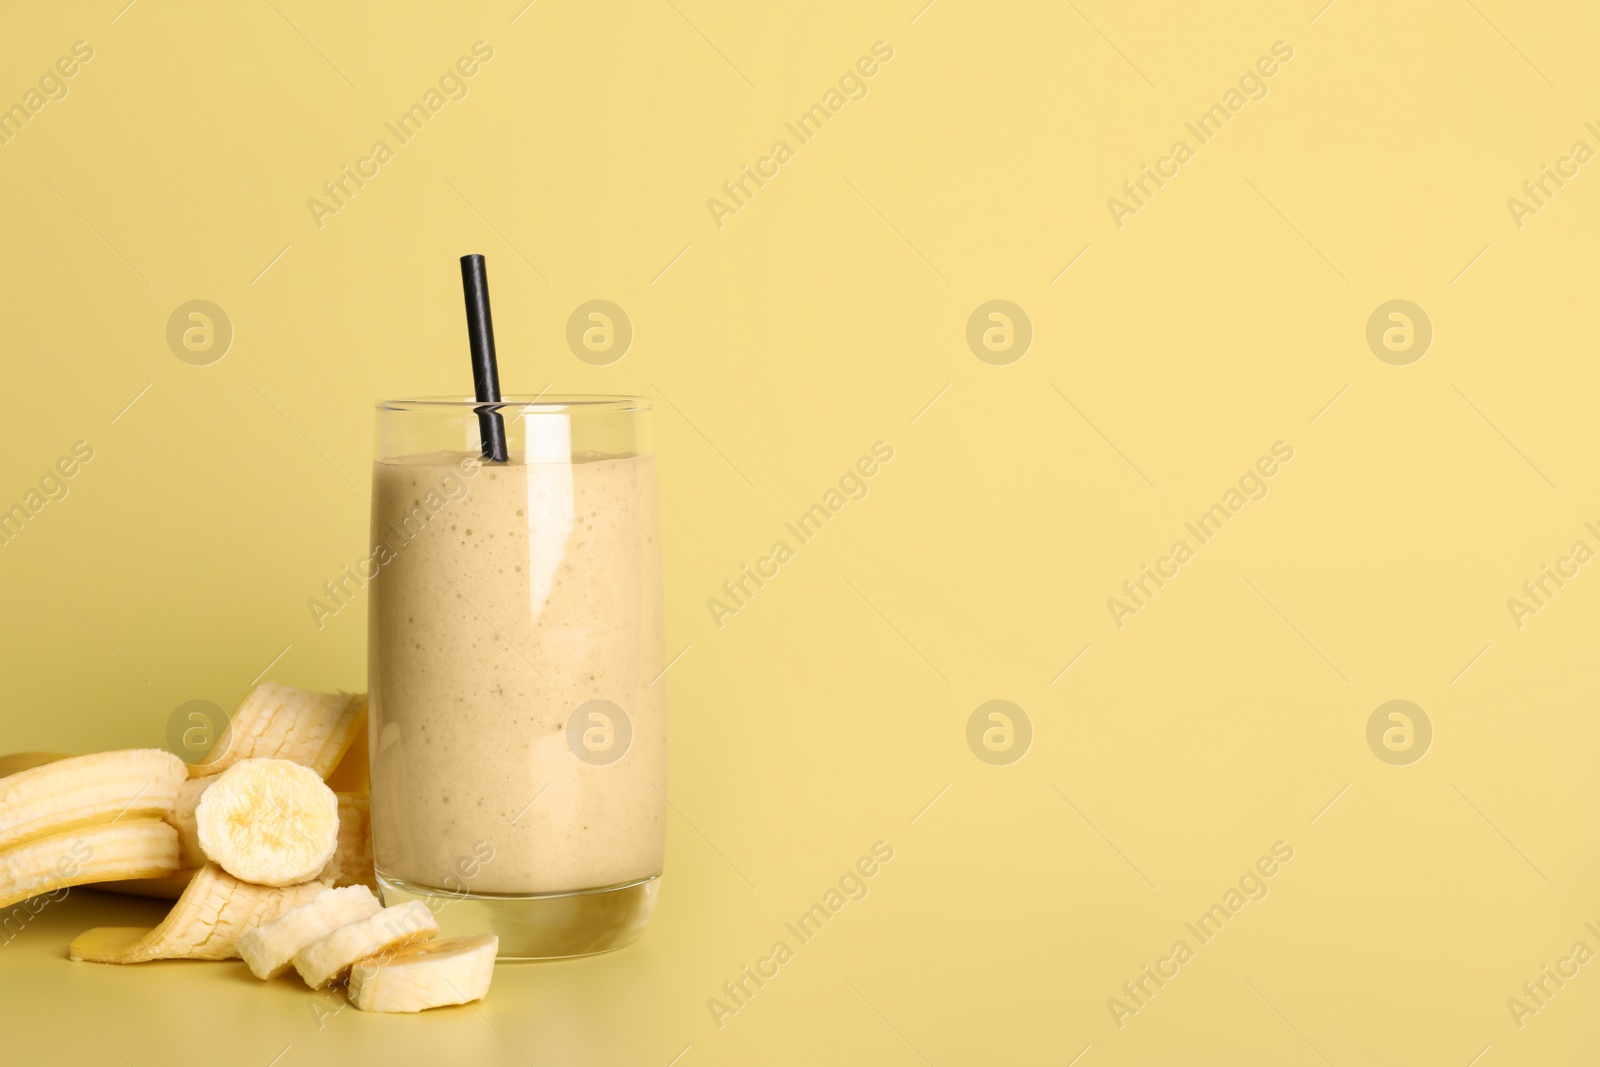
[(515, 659)]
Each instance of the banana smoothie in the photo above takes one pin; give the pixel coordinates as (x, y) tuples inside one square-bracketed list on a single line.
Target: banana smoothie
[(515, 651)]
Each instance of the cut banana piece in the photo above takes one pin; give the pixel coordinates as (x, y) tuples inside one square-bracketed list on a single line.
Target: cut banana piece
[(205, 924), (83, 790), (327, 958), (426, 974), (270, 948), (129, 848), (268, 821), (354, 852), (280, 722)]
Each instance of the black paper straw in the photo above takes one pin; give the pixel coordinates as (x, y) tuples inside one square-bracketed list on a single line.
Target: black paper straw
[(485, 371)]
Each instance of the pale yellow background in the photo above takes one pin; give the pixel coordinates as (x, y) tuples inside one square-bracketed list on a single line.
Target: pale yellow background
[(824, 316)]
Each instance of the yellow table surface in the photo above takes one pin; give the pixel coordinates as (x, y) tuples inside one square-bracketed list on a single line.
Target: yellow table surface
[(1175, 334)]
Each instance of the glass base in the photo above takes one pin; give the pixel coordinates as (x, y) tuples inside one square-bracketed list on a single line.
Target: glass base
[(544, 926)]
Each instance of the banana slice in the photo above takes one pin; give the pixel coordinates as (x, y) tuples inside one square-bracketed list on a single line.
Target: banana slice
[(83, 790), (130, 848), (205, 924), (354, 852), (268, 821), (328, 957), (280, 722), (270, 948), (425, 974)]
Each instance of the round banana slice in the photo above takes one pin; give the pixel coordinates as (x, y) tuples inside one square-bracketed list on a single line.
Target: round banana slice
[(268, 821), (426, 974), (326, 959), (268, 950)]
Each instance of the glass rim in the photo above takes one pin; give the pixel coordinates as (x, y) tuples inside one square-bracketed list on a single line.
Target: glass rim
[(525, 403)]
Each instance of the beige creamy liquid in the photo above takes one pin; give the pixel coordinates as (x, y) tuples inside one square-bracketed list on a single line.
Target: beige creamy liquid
[(511, 597)]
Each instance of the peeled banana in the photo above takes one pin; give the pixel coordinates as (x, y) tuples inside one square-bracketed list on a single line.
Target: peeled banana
[(205, 924), (328, 957), (126, 848), (270, 948), (268, 821), (250, 843), (425, 974), (83, 790), (281, 722)]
